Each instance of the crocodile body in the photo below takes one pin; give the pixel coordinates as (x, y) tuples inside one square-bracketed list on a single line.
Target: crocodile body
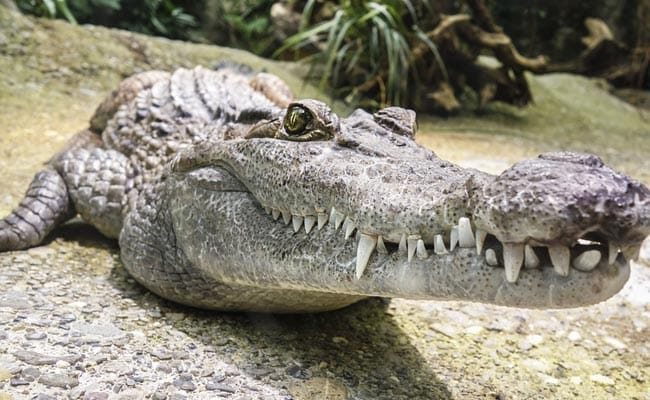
[(225, 193)]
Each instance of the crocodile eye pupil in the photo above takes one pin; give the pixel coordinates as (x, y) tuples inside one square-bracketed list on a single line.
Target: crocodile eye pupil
[(296, 120)]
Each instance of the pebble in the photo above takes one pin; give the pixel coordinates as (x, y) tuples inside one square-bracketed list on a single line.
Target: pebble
[(59, 380), (549, 379), (32, 372), (220, 386), (445, 329), (535, 340), (161, 354), (539, 365), (19, 381), (34, 358), (43, 396), (298, 372), (574, 336), (103, 330), (184, 382), (602, 379), (576, 380), (615, 343), (339, 340), (259, 372), (35, 336), (474, 329), (16, 300), (95, 396)]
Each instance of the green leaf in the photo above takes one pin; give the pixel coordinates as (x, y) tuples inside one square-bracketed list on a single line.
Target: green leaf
[(50, 6)]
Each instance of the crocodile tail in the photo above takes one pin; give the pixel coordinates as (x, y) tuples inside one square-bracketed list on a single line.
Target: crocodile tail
[(45, 206)]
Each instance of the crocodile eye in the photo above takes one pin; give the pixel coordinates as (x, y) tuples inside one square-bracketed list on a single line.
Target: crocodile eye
[(296, 120)]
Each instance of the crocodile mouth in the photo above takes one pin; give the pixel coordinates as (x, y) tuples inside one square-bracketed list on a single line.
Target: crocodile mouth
[(586, 253)]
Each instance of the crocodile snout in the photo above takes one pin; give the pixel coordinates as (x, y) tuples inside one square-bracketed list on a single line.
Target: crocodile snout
[(568, 208)]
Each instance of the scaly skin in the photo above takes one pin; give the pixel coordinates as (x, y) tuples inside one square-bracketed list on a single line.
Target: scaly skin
[(227, 195)]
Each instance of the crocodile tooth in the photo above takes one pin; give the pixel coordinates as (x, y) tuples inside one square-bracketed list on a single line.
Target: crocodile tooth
[(530, 260), (402, 244), (561, 258), (322, 220), (513, 257), (275, 213), (349, 228), (631, 252), (465, 234), (421, 250), (412, 243), (381, 247), (587, 261), (453, 238), (365, 248), (297, 222), (286, 217), (491, 257), (480, 240), (310, 221), (613, 252), (268, 210), (337, 217), (439, 245)]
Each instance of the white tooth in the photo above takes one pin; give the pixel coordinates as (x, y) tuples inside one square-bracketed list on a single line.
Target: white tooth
[(349, 228), (480, 240), (561, 259), (337, 217), (268, 210), (365, 248), (286, 217), (530, 260), (439, 245), (513, 256), (402, 244), (310, 221), (381, 247), (491, 257), (465, 234), (587, 260), (453, 238), (275, 213), (322, 220), (297, 222), (613, 253), (421, 251), (412, 243)]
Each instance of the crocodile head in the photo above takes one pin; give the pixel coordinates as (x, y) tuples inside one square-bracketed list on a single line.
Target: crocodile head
[(309, 202)]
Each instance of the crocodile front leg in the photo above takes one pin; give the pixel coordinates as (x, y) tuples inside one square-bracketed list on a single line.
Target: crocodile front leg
[(95, 183), (101, 184), (45, 206)]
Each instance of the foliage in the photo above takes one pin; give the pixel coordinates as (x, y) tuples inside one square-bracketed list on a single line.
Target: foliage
[(365, 46), (158, 17), (248, 25)]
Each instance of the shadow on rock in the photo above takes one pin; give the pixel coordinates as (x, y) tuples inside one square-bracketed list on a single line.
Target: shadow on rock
[(357, 352)]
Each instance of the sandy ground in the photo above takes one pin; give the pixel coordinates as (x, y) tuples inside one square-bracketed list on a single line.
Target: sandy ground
[(74, 325)]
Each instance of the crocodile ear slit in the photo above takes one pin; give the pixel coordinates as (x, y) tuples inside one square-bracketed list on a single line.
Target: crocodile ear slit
[(401, 121)]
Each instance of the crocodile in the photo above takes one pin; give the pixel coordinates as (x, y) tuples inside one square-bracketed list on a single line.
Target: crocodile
[(227, 193)]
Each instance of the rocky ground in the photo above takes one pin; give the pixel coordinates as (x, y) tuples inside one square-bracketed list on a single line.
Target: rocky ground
[(74, 325)]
